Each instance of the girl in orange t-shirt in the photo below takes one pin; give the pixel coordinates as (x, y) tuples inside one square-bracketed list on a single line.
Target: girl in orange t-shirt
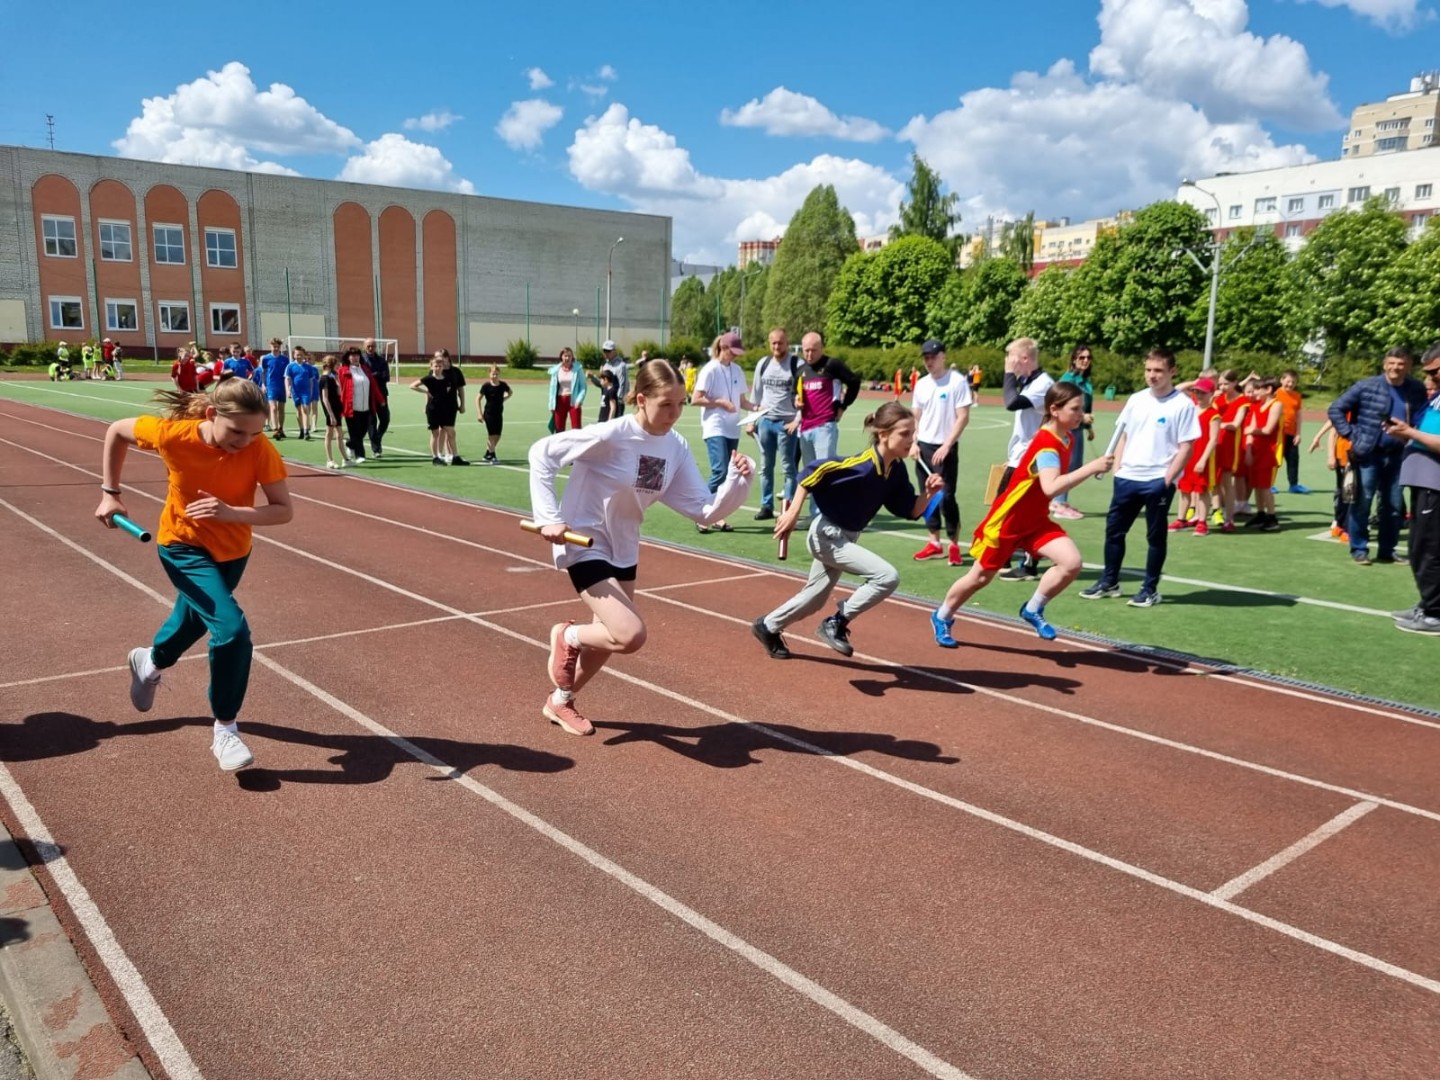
[(216, 457)]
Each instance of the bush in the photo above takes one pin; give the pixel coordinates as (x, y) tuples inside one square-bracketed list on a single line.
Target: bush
[(41, 354), (681, 347), (520, 354), (645, 345), (589, 355)]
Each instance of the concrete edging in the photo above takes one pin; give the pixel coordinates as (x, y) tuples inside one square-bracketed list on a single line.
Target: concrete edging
[(59, 1019)]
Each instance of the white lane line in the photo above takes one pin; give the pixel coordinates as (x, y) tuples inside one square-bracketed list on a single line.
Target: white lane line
[(707, 581), (164, 1037), (1334, 605), (1237, 885), (1363, 959), (61, 678)]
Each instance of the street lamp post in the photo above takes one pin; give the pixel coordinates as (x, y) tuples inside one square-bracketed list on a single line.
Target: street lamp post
[(609, 265), (576, 313), (1214, 269)]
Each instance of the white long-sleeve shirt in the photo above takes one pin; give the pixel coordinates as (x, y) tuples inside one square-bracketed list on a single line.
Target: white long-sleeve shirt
[(618, 471)]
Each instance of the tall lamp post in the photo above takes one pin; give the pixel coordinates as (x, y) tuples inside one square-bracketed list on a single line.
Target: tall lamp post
[(576, 313), (609, 270), (1214, 269)]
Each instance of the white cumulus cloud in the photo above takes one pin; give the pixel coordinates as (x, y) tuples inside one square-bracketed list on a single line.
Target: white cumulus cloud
[(395, 161), (538, 79), (524, 124), (437, 120), (1391, 14), (644, 165), (785, 112), (1199, 51), (225, 120), (608, 73)]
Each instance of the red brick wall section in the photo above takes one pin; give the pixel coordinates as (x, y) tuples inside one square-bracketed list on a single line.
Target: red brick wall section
[(58, 276), (398, 279), (111, 200), (165, 205), (354, 272), (218, 285), (441, 269)]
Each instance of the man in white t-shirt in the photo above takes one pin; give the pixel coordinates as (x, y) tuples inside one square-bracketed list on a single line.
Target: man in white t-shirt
[(720, 392), (941, 401), (1156, 429), (1024, 389)]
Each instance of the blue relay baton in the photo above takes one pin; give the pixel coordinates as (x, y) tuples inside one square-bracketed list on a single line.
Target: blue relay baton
[(125, 524)]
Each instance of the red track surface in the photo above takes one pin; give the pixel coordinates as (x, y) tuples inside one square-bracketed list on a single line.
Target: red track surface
[(992, 863)]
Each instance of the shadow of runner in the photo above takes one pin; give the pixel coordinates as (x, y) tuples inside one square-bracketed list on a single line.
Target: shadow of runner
[(58, 734), (732, 746), (369, 759), (942, 680)]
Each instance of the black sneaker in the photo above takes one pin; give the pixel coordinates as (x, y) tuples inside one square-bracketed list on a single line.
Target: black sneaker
[(1019, 572), (835, 632), (1272, 524), (437, 461), (279, 435), (773, 642), (458, 460), (764, 514)]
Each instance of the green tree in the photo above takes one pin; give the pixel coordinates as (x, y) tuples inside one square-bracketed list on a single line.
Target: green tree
[(1408, 295), (752, 312), (818, 240), (927, 212), (1148, 289), (1249, 305), (688, 315), (948, 309), (722, 302), (882, 299), (993, 287), (1017, 242), (1038, 311), (1331, 284), (1086, 300)]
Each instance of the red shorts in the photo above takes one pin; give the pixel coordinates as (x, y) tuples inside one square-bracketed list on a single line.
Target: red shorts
[(1194, 483), (999, 556), (1261, 473)]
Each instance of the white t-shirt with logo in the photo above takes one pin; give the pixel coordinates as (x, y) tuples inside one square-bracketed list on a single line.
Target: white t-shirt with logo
[(721, 382), (1154, 429), (939, 402), (1028, 421)]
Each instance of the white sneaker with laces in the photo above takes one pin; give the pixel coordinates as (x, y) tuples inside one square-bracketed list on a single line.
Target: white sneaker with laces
[(144, 678), (230, 751)]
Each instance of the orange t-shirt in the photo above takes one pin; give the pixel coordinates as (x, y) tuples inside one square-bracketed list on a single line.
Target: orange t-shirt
[(195, 466), (1290, 402)]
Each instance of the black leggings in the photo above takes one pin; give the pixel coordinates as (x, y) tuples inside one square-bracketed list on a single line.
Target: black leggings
[(950, 473), (356, 427)]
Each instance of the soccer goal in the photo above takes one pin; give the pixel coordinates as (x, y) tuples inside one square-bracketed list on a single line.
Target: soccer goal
[(317, 347)]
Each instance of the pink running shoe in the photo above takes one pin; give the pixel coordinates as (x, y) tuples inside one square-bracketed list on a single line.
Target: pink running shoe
[(568, 717), (562, 658)]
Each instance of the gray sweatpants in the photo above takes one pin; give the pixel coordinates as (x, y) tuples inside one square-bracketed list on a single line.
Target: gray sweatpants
[(835, 552)]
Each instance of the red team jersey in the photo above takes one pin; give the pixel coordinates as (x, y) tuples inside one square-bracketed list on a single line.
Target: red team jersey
[(1195, 481), (1231, 444), (1264, 449), (1020, 516)]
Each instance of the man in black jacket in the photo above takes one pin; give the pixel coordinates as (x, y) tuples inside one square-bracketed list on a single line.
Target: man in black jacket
[(1376, 453), (379, 367)]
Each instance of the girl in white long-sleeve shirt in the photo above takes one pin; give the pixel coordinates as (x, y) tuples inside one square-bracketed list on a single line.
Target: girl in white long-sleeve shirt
[(618, 470)]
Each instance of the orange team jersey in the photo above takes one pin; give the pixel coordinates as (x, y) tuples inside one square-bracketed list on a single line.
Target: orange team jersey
[(1020, 516), (195, 466), (1342, 451), (1290, 418), (1231, 444)]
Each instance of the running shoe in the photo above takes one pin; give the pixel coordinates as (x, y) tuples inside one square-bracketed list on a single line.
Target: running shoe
[(1202, 529), (1036, 619), (1021, 571), (771, 639), (1065, 512), (230, 751), (1179, 525), (1100, 591), (835, 632), (144, 678), (955, 557), (458, 460), (1419, 623), (1144, 598), (1299, 489), (563, 657), (943, 631), (568, 717), (931, 550)]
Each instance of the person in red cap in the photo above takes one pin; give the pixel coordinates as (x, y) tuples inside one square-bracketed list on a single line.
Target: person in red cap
[(1200, 477)]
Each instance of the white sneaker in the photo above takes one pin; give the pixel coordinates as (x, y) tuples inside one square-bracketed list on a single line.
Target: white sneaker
[(358, 460), (144, 678), (230, 751)]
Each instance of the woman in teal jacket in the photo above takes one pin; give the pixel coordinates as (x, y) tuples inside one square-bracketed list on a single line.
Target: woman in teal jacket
[(567, 391)]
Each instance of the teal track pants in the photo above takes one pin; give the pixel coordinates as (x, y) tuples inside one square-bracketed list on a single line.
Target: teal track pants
[(206, 605)]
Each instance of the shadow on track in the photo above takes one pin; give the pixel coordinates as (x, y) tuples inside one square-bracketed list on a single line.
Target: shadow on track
[(59, 734), (732, 746)]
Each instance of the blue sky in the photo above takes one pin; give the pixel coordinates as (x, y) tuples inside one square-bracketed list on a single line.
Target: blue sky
[(721, 116)]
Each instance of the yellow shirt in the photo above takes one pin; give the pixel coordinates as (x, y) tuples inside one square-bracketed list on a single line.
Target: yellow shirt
[(195, 466)]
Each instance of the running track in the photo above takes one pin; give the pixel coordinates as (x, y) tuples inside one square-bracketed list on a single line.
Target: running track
[(1016, 860)]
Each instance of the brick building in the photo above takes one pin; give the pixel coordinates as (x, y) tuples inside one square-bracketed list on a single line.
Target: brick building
[(155, 255)]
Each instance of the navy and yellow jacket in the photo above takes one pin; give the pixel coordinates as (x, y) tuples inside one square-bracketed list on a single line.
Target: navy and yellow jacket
[(850, 491)]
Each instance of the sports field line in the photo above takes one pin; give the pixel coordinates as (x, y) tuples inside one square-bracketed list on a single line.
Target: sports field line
[(1363, 959), (1195, 666), (1340, 821), (143, 1003)]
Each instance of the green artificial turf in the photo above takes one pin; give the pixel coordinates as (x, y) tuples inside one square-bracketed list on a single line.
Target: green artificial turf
[(1205, 610)]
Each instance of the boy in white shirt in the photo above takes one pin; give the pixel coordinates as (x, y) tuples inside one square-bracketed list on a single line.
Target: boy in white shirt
[(1025, 387), (1156, 429), (941, 402)]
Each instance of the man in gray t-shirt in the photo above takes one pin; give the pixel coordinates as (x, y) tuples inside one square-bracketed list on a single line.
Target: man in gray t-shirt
[(777, 429)]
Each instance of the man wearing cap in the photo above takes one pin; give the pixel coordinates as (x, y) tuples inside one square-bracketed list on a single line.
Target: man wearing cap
[(1420, 472), (616, 365), (941, 401), (827, 388), (720, 392)]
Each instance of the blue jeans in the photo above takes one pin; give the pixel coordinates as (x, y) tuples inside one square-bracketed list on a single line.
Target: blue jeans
[(719, 448), (1380, 475), (820, 442), (206, 604), (773, 437), (1129, 498)]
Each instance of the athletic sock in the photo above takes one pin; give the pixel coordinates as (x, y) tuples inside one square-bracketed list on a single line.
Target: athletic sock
[(572, 636), (945, 612), (233, 727), (1036, 604), (561, 697)]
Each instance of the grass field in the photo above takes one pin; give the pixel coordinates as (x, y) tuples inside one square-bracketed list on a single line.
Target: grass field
[(1291, 603)]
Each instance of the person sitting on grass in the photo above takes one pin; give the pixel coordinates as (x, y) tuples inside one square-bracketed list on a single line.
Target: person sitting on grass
[(1019, 520)]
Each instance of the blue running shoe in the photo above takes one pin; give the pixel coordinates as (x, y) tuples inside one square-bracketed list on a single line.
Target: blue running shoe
[(943, 637), (1037, 620)]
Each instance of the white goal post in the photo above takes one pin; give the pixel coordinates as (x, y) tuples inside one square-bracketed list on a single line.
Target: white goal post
[(318, 346)]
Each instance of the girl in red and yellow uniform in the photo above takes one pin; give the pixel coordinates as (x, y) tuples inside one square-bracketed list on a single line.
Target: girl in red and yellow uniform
[(1262, 451), (216, 456), (1198, 480), (1230, 467), (1020, 518)]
